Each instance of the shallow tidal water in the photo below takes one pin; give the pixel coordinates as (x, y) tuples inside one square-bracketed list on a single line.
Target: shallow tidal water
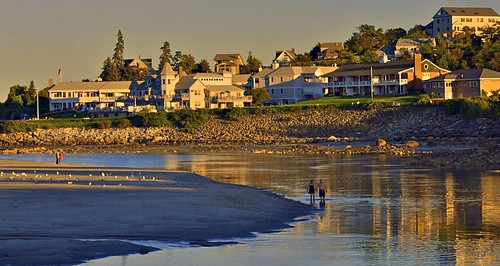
[(379, 210)]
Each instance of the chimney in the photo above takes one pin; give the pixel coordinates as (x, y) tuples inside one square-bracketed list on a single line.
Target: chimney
[(181, 72), (417, 64), (293, 50)]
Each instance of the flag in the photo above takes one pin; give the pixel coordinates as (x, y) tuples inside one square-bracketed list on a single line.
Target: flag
[(59, 72)]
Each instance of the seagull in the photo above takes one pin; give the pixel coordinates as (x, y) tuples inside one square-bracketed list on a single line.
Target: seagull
[(90, 183), (57, 172), (1, 173), (69, 175), (103, 174), (153, 178), (90, 174)]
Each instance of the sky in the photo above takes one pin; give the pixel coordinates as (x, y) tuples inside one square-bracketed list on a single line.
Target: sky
[(39, 37)]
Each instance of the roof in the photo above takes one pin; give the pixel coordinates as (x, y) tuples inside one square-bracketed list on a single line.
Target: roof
[(390, 67), (468, 74), (139, 62), (92, 86), (264, 72), (186, 82), (241, 78), (389, 49), (223, 88), (416, 42), (290, 71), (329, 50), (167, 70), (291, 54), (470, 11), (228, 57)]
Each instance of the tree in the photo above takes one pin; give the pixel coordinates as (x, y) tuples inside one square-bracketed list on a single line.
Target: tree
[(166, 55), (488, 56), (418, 31), (119, 48), (187, 62), (202, 67), (30, 95), (367, 38), (259, 95), (393, 35), (315, 52), (110, 71), (253, 64)]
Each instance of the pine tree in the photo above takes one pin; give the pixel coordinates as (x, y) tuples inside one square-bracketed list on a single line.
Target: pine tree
[(166, 55), (118, 55)]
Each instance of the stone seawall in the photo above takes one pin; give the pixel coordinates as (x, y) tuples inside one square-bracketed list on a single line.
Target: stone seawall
[(428, 125)]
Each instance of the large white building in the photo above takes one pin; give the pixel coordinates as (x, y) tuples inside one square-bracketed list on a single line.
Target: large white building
[(450, 21)]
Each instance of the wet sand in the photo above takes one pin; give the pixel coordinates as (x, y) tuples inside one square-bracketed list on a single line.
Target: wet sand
[(58, 214)]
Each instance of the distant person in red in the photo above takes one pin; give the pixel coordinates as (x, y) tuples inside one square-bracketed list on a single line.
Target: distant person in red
[(57, 157), (60, 156)]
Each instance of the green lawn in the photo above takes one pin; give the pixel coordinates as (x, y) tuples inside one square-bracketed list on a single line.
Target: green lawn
[(353, 100)]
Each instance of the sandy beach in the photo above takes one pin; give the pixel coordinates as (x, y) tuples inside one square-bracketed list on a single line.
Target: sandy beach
[(67, 214)]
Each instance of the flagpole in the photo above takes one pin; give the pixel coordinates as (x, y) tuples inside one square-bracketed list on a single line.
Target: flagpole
[(371, 82)]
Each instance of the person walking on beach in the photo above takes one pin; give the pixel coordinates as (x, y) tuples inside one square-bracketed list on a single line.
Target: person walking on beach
[(311, 191), (57, 157), (322, 191), (60, 157)]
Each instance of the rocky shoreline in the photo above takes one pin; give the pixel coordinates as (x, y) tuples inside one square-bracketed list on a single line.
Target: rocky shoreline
[(400, 131)]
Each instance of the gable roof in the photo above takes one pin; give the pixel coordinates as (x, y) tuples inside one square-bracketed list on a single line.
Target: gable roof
[(377, 68), (186, 82), (264, 72), (415, 42), (468, 74), (291, 54), (139, 62), (92, 86), (329, 50), (228, 57), (469, 11)]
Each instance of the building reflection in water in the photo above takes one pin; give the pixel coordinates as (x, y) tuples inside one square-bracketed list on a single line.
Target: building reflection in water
[(422, 211)]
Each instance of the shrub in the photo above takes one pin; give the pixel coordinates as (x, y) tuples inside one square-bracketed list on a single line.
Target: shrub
[(155, 120), (189, 120), (471, 108), (235, 113), (123, 123), (371, 105), (13, 126), (424, 99), (262, 110), (102, 124)]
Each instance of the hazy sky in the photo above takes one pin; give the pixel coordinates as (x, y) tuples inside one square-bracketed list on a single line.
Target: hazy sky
[(38, 37)]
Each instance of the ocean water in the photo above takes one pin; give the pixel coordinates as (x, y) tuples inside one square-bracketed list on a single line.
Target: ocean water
[(379, 210)]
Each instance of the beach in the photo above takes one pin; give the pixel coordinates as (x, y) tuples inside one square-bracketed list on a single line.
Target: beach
[(68, 214)]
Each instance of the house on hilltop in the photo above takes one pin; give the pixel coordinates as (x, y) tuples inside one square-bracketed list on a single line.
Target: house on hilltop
[(464, 83), (330, 50), (284, 58), (231, 63), (450, 21)]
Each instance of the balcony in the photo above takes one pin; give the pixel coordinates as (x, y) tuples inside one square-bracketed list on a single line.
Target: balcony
[(226, 99)]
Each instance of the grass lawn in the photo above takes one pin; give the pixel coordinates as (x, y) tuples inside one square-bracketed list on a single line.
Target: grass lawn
[(353, 100)]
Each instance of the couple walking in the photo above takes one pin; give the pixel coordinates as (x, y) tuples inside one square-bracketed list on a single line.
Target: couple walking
[(321, 188)]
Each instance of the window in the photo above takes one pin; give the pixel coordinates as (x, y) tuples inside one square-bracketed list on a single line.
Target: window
[(468, 20), (480, 20), (438, 21), (163, 81), (281, 91), (473, 84), (462, 20)]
